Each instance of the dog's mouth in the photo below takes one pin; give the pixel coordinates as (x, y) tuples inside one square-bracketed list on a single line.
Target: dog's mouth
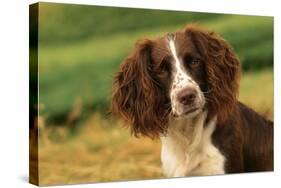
[(190, 111), (187, 112)]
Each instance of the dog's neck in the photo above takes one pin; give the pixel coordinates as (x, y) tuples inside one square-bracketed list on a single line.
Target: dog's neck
[(188, 130), (187, 146)]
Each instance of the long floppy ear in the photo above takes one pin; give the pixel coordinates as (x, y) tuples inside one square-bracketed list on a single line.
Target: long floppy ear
[(222, 69), (137, 96)]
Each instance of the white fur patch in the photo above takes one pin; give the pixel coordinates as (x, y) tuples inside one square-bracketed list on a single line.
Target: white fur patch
[(187, 150)]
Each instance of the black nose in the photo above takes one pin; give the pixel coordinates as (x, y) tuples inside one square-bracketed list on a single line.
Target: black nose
[(187, 96)]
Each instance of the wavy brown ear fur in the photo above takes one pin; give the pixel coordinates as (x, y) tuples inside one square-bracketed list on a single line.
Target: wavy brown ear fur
[(222, 69), (136, 95)]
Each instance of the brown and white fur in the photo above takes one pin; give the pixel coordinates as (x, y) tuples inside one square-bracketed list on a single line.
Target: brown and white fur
[(183, 88)]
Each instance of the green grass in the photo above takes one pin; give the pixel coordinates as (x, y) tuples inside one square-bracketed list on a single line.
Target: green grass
[(58, 21), (239, 31)]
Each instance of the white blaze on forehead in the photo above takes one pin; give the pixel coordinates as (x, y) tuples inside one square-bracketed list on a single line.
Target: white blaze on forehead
[(174, 52), (181, 76)]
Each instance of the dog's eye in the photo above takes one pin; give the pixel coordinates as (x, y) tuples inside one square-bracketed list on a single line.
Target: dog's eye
[(194, 62), (191, 62)]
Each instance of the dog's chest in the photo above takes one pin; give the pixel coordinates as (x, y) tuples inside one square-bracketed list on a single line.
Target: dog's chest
[(191, 155)]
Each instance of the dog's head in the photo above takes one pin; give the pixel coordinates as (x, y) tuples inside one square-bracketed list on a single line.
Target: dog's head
[(178, 75)]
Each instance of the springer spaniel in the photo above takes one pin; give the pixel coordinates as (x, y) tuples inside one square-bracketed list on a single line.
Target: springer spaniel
[(183, 88)]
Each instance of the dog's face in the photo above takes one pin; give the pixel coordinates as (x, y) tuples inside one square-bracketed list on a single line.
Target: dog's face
[(176, 76), (181, 71)]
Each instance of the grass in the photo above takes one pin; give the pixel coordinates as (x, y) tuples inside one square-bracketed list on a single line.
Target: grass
[(100, 21), (103, 150), (98, 153), (257, 91)]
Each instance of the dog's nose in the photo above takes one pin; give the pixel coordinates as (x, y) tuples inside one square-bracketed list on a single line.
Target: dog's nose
[(187, 96)]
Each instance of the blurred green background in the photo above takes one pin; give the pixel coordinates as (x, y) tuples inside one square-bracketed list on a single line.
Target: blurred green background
[(80, 49)]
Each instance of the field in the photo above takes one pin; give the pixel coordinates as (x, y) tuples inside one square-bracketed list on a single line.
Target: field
[(79, 53)]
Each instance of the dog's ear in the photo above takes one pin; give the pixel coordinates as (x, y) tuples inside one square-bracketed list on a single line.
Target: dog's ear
[(222, 69), (136, 95)]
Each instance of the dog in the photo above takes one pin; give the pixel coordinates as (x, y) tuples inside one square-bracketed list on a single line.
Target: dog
[(183, 88)]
